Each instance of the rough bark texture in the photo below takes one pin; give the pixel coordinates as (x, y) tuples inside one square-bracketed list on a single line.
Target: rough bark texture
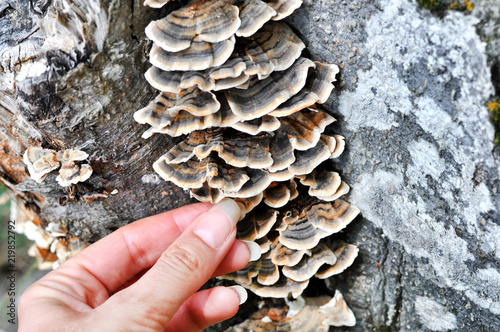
[(420, 157)]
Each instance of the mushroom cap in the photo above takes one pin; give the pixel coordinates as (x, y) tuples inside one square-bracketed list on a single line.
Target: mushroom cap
[(332, 217), (280, 289), (321, 183), (345, 253), (71, 173), (342, 190), (207, 194), (278, 194), (200, 55), (185, 122), (316, 90), (176, 81), (210, 21), (257, 224), (301, 315), (253, 127), (275, 47), (263, 96), (71, 155), (309, 265), (40, 162), (253, 14), (319, 220), (194, 173), (156, 3), (283, 8), (306, 161), (165, 108), (281, 255), (237, 150)]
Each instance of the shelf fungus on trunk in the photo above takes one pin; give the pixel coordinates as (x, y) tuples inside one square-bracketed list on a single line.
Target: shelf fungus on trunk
[(236, 83), (40, 162), (308, 314)]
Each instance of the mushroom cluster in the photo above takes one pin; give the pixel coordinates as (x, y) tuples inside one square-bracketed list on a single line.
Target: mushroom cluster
[(307, 314), (234, 81), (41, 162), (52, 245)]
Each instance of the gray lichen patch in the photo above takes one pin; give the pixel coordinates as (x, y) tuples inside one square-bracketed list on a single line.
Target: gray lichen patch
[(427, 176)]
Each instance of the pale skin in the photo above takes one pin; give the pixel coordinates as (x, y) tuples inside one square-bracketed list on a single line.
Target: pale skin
[(144, 277)]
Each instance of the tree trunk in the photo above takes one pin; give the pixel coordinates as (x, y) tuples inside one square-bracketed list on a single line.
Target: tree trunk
[(412, 105)]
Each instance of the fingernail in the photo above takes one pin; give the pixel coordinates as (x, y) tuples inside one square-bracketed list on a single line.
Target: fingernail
[(254, 250), (218, 223), (242, 293)]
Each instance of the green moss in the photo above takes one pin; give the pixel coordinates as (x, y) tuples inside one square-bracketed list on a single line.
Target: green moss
[(439, 7), (495, 118)]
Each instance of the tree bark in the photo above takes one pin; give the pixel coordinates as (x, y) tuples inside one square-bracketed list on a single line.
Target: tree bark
[(420, 157)]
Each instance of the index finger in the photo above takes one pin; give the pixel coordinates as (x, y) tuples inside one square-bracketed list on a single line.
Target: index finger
[(135, 247)]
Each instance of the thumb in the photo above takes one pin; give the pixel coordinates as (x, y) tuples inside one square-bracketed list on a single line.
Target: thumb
[(179, 272)]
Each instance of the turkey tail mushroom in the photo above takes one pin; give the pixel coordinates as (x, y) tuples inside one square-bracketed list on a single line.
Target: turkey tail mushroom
[(236, 83)]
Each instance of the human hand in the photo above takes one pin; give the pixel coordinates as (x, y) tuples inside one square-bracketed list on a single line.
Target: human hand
[(144, 276)]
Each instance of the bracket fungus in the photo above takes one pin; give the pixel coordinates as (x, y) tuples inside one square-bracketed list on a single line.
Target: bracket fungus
[(40, 162), (307, 314), (236, 83)]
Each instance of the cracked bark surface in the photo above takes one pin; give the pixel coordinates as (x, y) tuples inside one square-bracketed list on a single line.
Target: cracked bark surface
[(420, 158)]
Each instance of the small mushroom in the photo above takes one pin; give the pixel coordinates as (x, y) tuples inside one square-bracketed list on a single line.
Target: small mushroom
[(321, 183), (281, 255), (301, 315), (263, 96), (71, 172), (280, 289), (275, 47), (306, 161), (253, 15), (283, 8), (266, 272), (305, 229), (332, 217), (207, 194), (238, 150), (185, 122), (304, 128), (210, 21), (176, 81), (256, 224), (301, 235), (309, 265), (282, 152), (40, 162), (200, 55), (345, 253), (341, 191), (317, 90), (259, 180), (278, 194), (165, 108)]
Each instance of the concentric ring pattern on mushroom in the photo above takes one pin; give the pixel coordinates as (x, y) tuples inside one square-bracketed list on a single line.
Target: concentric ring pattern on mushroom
[(234, 83)]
